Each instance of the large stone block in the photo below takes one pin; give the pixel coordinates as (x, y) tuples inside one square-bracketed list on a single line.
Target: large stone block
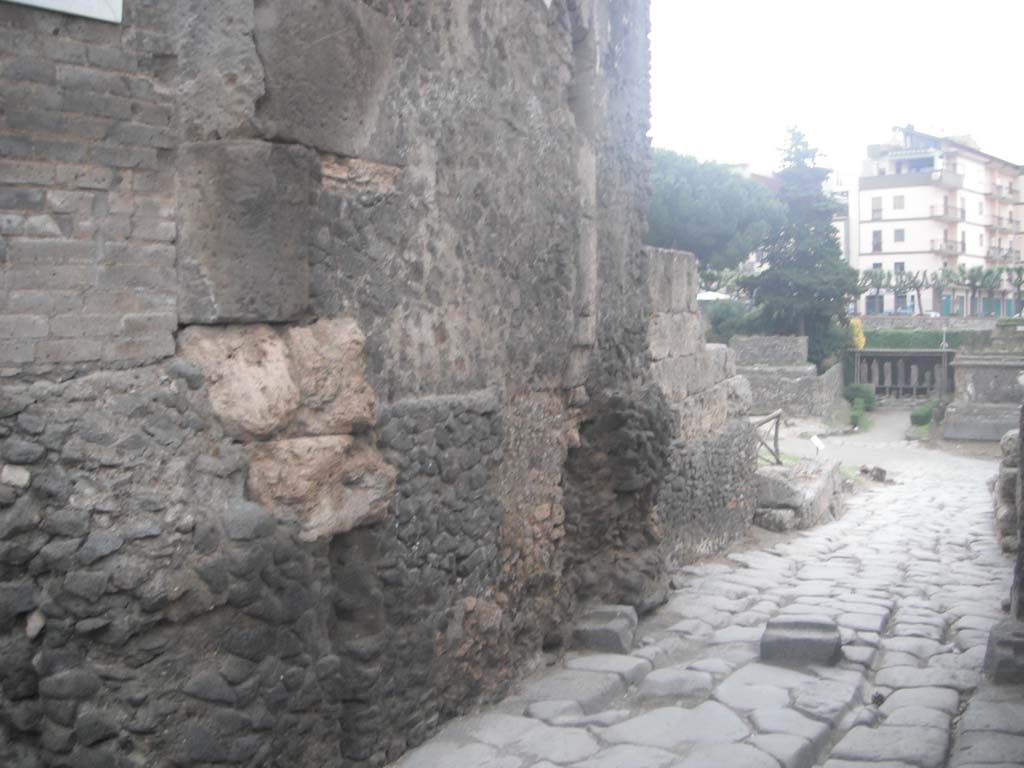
[(1004, 657), (675, 334), (800, 640), (306, 380), (329, 98), (769, 350), (672, 280), (979, 421), (335, 483), (244, 228)]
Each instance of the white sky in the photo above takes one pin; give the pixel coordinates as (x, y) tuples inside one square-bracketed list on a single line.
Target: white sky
[(729, 76)]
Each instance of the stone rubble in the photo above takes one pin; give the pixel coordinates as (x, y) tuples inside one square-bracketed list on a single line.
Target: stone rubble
[(906, 586)]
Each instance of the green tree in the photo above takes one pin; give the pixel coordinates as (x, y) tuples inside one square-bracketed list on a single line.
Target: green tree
[(992, 281), (807, 285), (919, 283), (1015, 276), (707, 209), (972, 279)]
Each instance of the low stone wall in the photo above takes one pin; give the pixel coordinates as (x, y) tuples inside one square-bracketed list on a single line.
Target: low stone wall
[(781, 378), (920, 322)]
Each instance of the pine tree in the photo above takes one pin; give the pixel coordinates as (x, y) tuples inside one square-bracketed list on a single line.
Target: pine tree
[(807, 285)]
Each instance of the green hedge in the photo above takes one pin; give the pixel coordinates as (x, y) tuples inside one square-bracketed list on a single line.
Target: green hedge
[(858, 418), (923, 414), (895, 338), (863, 392)]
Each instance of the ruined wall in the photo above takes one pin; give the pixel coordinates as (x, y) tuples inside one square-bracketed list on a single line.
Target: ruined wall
[(295, 361)]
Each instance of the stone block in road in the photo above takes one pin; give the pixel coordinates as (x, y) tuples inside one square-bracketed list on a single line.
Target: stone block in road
[(1004, 656), (607, 629), (801, 640), (790, 751), (673, 683), (1003, 716), (786, 721), (943, 699), (629, 756), (924, 747), (937, 677)]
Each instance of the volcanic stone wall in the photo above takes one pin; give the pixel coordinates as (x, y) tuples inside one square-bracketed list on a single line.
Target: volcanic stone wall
[(331, 385)]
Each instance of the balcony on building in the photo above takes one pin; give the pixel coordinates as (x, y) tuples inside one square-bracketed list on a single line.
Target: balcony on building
[(1002, 192), (1002, 224), (941, 177), (946, 212), (1004, 255), (946, 247)]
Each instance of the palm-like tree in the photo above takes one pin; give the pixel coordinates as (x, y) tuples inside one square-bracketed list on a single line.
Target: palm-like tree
[(991, 280), (973, 279), (1015, 276)]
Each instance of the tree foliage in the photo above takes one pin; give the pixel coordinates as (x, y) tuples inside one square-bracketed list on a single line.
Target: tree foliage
[(807, 284), (707, 209)]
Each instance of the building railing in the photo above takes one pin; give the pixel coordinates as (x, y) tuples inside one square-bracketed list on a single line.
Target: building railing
[(1004, 254), (937, 176), (946, 246), (1002, 192), (1003, 223), (945, 212)]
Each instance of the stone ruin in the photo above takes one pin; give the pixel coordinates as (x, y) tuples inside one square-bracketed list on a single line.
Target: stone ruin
[(336, 379)]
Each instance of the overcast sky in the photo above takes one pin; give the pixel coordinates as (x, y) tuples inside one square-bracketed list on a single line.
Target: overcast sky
[(728, 76)]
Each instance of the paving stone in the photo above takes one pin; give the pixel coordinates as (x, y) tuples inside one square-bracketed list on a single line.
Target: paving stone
[(675, 683), (939, 677), (1004, 716), (920, 716), (628, 756), (768, 674), (858, 654), (788, 721), (440, 754), (714, 666), (987, 747), (631, 669), (790, 751), (928, 631), (559, 745), (550, 710), (825, 700), (738, 635), (592, 690), (675, 727), (731, 755), (794, 640), (865, 622), (745, 698), (924, 747)]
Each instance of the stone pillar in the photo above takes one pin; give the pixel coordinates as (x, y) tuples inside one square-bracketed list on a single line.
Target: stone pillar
[(1004, 658)]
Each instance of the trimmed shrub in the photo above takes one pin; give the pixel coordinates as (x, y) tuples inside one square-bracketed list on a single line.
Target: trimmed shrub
[(923, 414), (863, 392), (858, 418)]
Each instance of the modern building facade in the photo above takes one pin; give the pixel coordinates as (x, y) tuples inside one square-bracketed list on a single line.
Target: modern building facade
[(927, 203)]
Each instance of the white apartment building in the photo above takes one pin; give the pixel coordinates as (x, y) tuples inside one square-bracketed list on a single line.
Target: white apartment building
[(927, 202)]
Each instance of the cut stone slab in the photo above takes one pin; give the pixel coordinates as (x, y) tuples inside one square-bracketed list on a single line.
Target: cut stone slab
[(631, 669), (592, 690), (559, 745), (244, 221), (607, 629), (924, 747), (1004, 655), (924, 717), (777, 520), (1002, 716), (786, 721), (865, 622), (987, 747), (939, 677), (674, 683), (790, 751), (767, 674), (628, 756), (801, 640), (943, 699), (744, 698), (675, 727), (731, 755)]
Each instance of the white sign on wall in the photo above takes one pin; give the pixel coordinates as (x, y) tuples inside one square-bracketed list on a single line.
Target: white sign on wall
[(104, 10)]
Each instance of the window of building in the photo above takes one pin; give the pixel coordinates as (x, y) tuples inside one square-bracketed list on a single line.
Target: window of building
[(876, 241), (874, 305), (897, 203), (899, 267), (876, 208), (877, 265), (104, 10), (898, 235)]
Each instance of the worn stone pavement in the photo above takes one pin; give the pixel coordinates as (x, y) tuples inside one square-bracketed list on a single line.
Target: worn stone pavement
[(913, 576)]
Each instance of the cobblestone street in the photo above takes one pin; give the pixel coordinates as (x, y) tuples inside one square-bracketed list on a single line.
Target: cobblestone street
[(911, 573)]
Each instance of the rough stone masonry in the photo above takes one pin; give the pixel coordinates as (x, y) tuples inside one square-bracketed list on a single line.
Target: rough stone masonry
[(336, 379)]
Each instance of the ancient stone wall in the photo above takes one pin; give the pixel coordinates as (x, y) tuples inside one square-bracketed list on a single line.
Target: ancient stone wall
[(324, 394)]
